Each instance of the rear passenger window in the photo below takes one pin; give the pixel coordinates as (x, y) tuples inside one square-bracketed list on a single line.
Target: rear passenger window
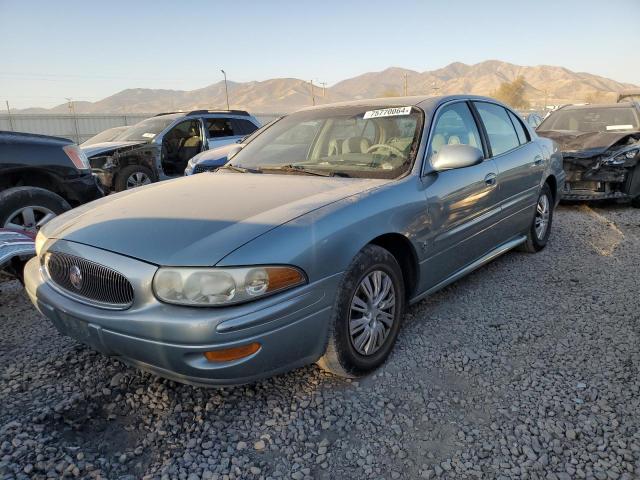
[(522, 135), (502, 135), (219, 127), (242, 127)]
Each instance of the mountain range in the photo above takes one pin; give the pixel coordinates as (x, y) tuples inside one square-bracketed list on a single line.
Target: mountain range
[(544, 85)]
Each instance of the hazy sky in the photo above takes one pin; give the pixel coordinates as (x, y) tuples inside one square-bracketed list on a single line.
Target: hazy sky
[(87, 50)]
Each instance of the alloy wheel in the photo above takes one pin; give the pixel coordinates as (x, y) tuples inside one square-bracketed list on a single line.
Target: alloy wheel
[(137, 179), (372, 312), (29, 218), (542, 216)]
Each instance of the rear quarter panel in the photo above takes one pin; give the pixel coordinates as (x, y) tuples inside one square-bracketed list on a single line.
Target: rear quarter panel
[(554, 165)]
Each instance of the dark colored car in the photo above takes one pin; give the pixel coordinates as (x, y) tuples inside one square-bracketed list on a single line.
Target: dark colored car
[(601, 149), (160, 147), (41, 177)]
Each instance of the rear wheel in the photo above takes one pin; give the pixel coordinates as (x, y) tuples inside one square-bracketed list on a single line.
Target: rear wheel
[(366, 315), (29, 208), (540, 229), (133, 176)]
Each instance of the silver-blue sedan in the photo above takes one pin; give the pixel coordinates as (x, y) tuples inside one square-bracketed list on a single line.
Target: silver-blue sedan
[(307, 247)]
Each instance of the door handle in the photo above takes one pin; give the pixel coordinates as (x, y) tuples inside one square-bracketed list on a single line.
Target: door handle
[(537, 160), (490, 179)]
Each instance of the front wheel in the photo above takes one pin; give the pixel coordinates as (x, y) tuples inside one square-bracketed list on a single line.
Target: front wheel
[(540, 229), (366, 315), (29, 208), (133, 176)]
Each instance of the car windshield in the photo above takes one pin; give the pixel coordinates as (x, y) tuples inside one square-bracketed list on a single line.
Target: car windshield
[(367, 142), (596, 119), (145, 130), (105, 136)]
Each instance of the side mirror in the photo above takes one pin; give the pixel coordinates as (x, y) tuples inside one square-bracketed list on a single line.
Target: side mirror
[(233, 151), (456, 156)]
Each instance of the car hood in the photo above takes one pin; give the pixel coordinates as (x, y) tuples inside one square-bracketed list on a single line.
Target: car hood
[(98, 148), (590, 144), (198, 220), (216, 154)]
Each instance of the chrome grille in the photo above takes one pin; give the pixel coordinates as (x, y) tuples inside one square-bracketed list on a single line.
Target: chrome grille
[(97, 285), (203, 168)]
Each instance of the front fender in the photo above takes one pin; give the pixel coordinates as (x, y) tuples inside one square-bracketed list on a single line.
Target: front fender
[(325, 241)]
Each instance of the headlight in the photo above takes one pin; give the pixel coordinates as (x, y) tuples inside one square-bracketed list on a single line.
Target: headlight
[(41, 239), (628, 155), (222, 286)]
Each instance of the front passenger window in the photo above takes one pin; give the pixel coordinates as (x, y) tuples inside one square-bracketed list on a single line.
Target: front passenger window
[(455, 125)]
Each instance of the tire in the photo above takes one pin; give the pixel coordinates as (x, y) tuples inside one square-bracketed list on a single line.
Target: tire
[(342, 357), (124, 178), (15, 204), (16, 268), (635, 202), (536, 239)]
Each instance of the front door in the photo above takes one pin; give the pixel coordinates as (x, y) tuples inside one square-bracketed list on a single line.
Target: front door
[(181, 143), (461, 203)]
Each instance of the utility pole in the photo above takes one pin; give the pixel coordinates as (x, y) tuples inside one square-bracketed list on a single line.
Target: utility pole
[(313, 98), (10, 117), (405, 84), (72, 110), (226, 89), (324, 85), (545, 100)]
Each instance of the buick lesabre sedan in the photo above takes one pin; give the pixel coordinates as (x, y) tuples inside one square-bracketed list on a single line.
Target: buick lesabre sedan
[(307, 247)]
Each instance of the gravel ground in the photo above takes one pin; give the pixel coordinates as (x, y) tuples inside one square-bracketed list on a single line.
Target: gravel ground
[(528, 368)]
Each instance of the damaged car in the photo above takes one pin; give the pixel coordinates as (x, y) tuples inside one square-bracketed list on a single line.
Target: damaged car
[(307, 247), (160, 147), (601, 149)]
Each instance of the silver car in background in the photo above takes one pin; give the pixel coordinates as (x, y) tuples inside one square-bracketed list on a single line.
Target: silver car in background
[(307, 247)]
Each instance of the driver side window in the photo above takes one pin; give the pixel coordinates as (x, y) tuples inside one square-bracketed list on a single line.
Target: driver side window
[(455, 125)]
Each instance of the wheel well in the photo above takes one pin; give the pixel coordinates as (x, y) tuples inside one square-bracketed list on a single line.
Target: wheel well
[(29, 178), (401, 248), (553, 185)]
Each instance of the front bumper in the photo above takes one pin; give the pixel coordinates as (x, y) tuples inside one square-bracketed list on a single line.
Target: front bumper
[(170, 340), (81, 189)]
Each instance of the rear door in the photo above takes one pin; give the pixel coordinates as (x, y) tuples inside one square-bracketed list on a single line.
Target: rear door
[(520, 165), (462, 203), (223, 131)]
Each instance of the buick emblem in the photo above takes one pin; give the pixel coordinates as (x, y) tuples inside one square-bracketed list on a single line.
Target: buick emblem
[(75, 277)]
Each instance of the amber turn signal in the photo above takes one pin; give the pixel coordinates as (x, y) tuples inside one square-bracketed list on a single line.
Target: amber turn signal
[(234, 353), (283, 277)]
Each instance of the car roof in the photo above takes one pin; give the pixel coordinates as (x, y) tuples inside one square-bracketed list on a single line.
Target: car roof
[(598, 105), (205, 113), (426, 102)]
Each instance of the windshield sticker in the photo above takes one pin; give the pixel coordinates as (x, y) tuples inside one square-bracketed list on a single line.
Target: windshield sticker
[(387, 112), (148, 135), (619, 127)]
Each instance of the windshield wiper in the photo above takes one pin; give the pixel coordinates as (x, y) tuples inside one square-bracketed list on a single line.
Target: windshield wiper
[(302, 169), (235, 168)]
